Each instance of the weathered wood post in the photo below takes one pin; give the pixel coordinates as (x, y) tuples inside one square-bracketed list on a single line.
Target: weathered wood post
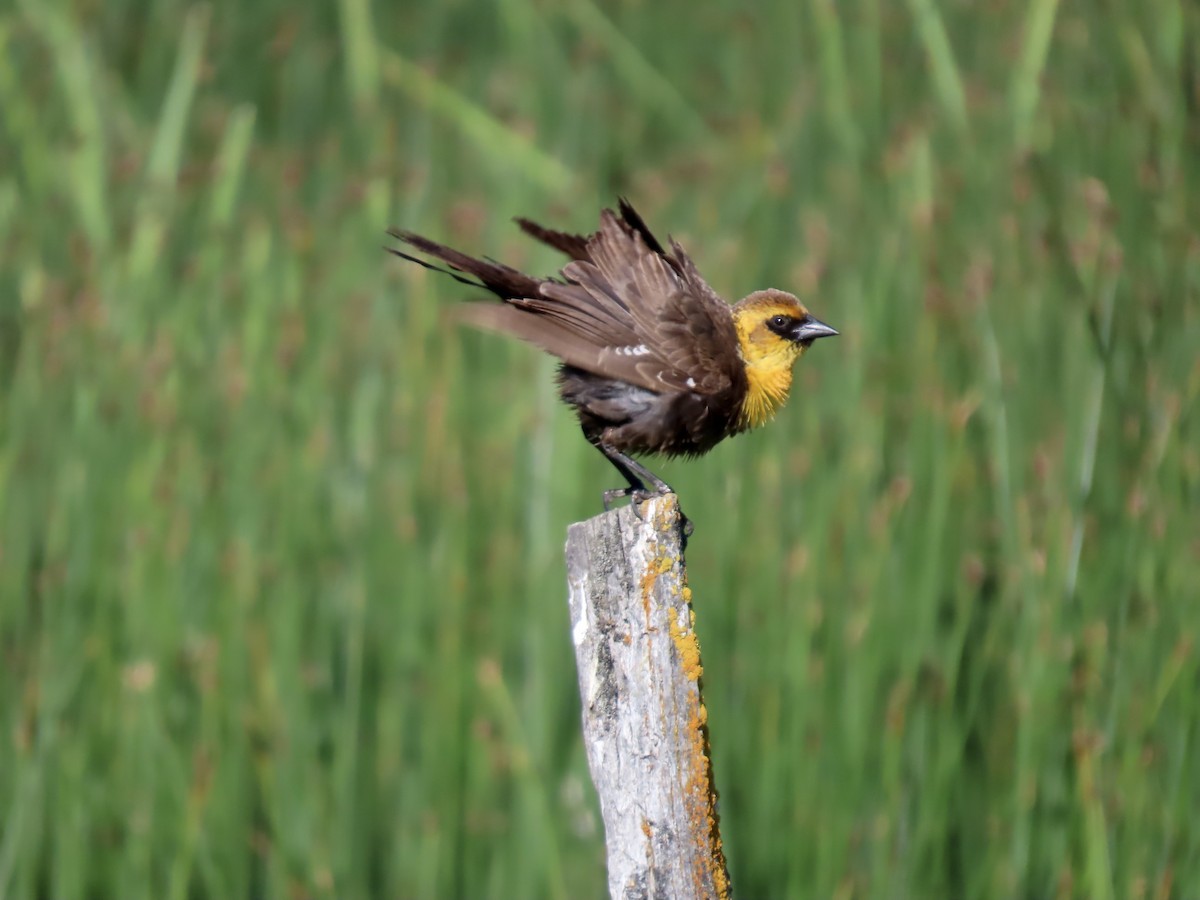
[(644, 721)]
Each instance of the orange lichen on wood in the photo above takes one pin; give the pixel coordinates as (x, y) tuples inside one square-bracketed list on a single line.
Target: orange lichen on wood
[(700, 792), (659, 565), (688, 648), (701, 799)]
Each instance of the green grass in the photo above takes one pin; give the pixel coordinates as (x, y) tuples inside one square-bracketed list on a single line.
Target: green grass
[(282, 604)]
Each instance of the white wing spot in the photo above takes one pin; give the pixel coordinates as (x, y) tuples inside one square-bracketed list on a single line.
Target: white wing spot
[(691, 382), (639, 350)]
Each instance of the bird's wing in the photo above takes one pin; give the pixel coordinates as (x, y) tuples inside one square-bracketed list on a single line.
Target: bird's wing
[(685, 331), (503, 281), (563, 319), (627, 310), (573, 245)]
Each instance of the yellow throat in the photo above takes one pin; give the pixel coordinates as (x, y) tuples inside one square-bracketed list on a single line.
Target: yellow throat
[(769, 359)]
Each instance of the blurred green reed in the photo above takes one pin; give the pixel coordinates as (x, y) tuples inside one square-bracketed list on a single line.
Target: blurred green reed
[(281, 592)]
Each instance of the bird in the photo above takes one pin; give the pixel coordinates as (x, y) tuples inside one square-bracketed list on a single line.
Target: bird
[(652, 360)]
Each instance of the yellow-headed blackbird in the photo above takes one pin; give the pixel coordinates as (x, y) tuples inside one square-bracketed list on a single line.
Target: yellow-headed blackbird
[(653, 360)]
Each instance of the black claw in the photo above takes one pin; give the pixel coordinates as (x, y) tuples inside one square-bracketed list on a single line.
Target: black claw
[(638, 497), (687, 525)]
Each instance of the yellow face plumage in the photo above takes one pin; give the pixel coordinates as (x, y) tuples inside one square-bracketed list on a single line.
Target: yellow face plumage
[(774, 329)]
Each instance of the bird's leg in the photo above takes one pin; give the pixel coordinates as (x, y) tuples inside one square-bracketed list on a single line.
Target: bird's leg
[(637, 475)]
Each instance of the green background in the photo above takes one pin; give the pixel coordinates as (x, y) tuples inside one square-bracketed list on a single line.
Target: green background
[(282, 600)]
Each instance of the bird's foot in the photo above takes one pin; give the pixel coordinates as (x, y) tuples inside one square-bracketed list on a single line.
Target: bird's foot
[(639, 495), (615, 494), (636, 495)]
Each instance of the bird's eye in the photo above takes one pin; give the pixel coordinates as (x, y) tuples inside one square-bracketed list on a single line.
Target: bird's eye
[(779, 321)]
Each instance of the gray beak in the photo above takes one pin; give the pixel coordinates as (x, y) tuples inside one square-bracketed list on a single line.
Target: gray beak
[(810, 329)]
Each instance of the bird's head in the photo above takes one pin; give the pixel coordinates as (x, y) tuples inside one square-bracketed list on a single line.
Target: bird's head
[(774, 329), (774, 323)]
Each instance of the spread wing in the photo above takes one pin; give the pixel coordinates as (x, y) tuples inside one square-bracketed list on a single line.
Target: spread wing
[(624, 308), (686, 329)]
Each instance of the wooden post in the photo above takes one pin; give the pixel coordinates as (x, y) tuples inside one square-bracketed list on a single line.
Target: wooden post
[(644, 721)]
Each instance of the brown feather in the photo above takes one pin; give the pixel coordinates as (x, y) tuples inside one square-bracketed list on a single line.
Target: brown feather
[(504, 281), (573, 245)]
